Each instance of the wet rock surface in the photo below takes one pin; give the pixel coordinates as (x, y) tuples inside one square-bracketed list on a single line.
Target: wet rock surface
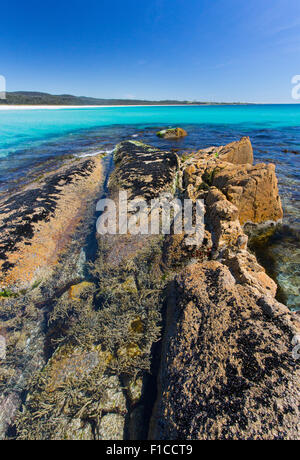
[(106, 329), (37, 223), (142, 170), (39, 265)]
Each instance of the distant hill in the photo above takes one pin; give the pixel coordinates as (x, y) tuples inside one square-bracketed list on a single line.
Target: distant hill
[(35, 98)]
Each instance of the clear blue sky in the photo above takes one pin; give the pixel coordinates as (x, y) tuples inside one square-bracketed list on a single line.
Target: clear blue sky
[(218, 50)]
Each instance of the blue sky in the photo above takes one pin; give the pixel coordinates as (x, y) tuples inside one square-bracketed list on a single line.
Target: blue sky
[(213, 50)]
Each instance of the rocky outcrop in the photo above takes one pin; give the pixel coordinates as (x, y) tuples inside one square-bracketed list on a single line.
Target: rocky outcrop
[(142, 170), (253, 190), (106, 329), (43, 231), (230, 242), (38, 223), (83, 348), (238, 153), (172, 133), (224, 221), (228, 370)]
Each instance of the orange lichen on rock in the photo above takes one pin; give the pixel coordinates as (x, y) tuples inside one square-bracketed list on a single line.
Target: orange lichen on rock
[(39, 222), (252, 189), (77, 290)]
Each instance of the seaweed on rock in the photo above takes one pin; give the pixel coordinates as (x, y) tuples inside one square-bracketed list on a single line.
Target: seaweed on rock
[(102, 338)]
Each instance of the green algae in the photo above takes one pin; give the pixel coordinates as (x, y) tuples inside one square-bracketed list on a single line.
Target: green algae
[(7, 293)]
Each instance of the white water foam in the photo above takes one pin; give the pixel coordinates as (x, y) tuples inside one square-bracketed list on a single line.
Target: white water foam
[(94, 153)]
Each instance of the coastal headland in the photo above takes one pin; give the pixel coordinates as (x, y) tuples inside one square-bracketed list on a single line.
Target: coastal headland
[(34, 99)]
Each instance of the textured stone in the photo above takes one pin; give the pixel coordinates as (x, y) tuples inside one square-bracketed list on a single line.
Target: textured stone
[(172, 133), (74, 430), (227, 367), (76, 291), (73, 362), (113, 399), (247, 270), (228, 371), (240, 152), (223, 221), (135, 387), (142, 170), (253, 190), (112, 427), (37, 223)]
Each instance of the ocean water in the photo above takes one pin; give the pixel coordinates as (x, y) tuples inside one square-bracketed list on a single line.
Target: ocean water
[(33, 140)]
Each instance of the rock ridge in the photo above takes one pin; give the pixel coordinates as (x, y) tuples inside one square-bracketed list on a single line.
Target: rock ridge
[(227, 367)]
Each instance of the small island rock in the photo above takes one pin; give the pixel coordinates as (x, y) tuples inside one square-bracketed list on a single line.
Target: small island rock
[(172, 133)]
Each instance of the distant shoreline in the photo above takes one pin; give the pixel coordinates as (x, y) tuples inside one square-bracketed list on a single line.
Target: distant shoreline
[(4, 107), (30, 100), (56, 107)]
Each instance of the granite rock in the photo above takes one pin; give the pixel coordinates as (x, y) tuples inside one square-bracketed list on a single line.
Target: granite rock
[(228, 368)]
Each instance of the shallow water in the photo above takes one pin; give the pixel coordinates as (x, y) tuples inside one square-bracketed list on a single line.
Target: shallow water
[(34, 140)]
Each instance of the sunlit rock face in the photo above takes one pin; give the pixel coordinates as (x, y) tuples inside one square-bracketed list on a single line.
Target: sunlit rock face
[(172, 133), (228, 369), (39, 222), (240, 152), (253, 189)]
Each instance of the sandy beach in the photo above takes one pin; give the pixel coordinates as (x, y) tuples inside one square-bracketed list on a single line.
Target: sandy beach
[(55, 107)]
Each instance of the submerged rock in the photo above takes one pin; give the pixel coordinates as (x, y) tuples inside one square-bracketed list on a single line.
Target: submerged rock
[(74, 430), (172, 133), (43, 225), (112, 428), (107, 328), (77, 290)]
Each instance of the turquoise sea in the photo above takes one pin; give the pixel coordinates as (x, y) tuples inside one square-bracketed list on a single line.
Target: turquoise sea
[(33, 140)]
